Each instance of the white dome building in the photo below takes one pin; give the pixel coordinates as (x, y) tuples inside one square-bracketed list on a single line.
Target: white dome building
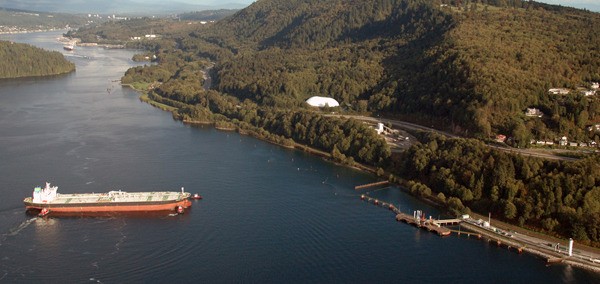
[(322, 102)]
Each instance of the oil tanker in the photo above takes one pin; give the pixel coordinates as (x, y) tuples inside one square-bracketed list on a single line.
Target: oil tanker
[(47, 200)]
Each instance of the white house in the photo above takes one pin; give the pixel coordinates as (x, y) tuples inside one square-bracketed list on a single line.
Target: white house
[(563, 141), (588, 93), (317, 101), (533, 112), (595, 128), (558, 91)]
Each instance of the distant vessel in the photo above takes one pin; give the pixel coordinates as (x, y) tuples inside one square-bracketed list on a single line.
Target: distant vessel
[(69, 47), (47, 200)]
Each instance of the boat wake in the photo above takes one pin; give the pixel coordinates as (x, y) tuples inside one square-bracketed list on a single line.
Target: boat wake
[(76, 55), (16, 230)]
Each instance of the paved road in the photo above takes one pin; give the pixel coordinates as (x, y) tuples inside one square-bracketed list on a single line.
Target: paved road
[(412, 126), (585, 257), (207, 77)]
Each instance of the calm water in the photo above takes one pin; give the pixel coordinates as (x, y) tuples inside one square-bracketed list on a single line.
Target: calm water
[(268, 214)]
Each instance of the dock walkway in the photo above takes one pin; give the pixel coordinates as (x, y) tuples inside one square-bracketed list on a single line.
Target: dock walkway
[(385, 182), (518, 243), (428, 224)]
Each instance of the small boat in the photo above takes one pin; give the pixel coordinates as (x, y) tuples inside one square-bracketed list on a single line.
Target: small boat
[(44, 212), (69, 47), (196, 196)]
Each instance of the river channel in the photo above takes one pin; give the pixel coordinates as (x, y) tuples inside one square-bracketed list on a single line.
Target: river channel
[(269, 214)]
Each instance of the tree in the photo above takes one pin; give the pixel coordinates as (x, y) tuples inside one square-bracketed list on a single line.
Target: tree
[(549, 224), (510, 210), (520, 134), (591, 201)]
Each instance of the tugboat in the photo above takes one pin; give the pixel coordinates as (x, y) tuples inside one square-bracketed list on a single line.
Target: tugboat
[(196, 196)]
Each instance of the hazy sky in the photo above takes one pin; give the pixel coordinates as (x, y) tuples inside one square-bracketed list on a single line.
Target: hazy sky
[(561, 2), (215, 2), (593, 5)]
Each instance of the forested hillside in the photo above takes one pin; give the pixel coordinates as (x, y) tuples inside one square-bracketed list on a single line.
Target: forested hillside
[(118, 32), (506, 60), (478, 66), (207, 15), (286, 51), (467, 66), (12, 20), (23, 60), (166, 30), (558, 198)]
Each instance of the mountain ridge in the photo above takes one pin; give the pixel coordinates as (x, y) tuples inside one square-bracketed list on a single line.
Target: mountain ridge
[(473, 68), (430, 61)]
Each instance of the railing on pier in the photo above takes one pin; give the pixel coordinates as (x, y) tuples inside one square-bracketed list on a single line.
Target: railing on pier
[(447, 222)]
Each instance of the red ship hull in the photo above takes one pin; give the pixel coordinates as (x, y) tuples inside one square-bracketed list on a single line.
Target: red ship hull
[(110, 207)]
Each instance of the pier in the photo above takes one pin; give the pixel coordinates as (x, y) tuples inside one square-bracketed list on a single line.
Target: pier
[(358, 187), (417, 219), (505, 239), (447, 222)]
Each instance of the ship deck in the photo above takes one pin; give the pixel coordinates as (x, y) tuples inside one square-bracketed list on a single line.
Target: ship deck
[(118, 196)]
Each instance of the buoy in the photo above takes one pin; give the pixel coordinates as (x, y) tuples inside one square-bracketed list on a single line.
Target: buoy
[(180, 209)]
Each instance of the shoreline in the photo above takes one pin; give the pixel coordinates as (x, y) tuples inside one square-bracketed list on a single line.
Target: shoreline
[(40, 76), (33, 31), (551, 257), (401, 183)]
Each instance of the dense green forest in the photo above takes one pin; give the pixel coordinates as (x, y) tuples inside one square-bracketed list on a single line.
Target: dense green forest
[(167, 30), (121, 31), (508, 58), (470, 66), (559, 197), (207, 15), (23, 60), (478, 66)]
